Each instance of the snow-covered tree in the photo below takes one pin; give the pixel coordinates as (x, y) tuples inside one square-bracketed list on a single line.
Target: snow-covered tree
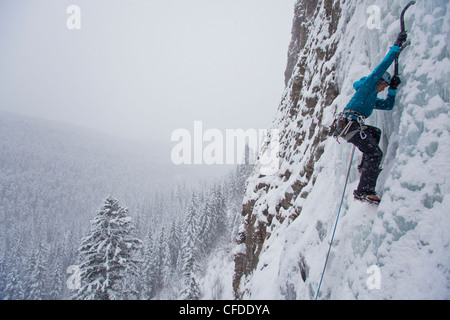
[(219, 207), (190, 290), (37, 288), (55, 276), (108, 255), (174, 244), (159, 257), (146, 272)]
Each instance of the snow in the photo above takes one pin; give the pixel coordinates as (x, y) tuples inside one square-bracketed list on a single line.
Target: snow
[(406, 238), (218, 275), (398, 250)]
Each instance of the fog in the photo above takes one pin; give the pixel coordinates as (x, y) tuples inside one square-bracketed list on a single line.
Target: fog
[(141, 69)]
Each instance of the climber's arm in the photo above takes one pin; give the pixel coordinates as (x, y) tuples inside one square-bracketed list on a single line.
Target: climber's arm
[(388, 103), (376, 75)]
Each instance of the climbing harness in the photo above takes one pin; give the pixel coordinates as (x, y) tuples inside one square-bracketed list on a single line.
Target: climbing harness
[(344, 121), (335, 225)]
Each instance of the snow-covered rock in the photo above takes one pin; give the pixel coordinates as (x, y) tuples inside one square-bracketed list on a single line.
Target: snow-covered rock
[(399, 250)]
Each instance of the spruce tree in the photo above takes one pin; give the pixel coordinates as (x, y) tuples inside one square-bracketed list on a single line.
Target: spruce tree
[(108, 255), (37, 285), (174, 245), (190, 267), (148, 266)]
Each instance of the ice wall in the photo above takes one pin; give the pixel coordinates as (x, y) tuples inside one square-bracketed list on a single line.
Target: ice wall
[(399, 250)]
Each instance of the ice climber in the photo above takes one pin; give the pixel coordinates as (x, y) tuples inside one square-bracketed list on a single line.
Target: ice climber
[(350, 123)]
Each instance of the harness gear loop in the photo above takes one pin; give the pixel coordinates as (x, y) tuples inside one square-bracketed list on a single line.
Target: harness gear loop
[(347, 127), (361, 120), (343, 122)]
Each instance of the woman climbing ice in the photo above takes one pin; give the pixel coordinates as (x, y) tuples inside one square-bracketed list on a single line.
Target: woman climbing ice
[(350, 123)]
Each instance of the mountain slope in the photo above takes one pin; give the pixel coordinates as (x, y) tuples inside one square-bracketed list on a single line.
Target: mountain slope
[(289, 217), (48, 155)]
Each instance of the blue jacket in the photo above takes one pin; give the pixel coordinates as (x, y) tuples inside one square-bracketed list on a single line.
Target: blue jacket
[(365, 99)]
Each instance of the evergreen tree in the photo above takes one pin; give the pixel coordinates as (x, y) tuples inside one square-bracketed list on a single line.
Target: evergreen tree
[(190, 266), (159, 258), (12, 264), (206, 227), (166, 269), (174, 244), (148, 267), (190, 290), (219, 211), (108, 255), (55, 277), (37, 285)]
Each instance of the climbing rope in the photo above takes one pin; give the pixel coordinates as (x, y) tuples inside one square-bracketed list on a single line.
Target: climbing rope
[(335, 225)]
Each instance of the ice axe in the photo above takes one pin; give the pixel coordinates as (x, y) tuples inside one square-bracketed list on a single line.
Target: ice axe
[(402, 29)]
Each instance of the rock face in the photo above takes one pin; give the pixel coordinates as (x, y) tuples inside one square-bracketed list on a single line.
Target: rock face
[(310, 88), (398, 250)]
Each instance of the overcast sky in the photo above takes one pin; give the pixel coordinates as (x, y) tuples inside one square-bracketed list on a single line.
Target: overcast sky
[(143, 68)]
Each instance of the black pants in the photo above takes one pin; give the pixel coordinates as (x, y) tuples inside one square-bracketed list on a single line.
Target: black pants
[(372, 156)]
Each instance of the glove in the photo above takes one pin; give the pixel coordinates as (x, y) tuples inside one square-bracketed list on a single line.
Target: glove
[(395, 82), (401, 38)]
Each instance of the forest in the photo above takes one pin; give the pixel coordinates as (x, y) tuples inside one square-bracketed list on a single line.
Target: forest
[(52, 190)]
